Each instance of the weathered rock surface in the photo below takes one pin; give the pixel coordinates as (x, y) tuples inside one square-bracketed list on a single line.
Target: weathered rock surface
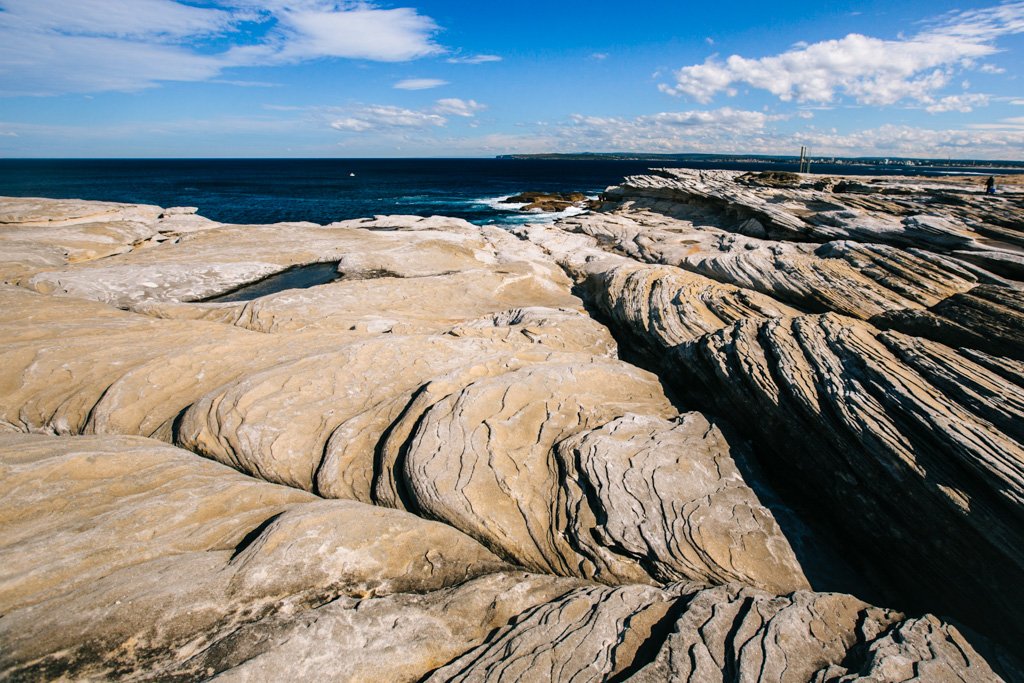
[(467, 462), (592, 633), (400, 637), (137, 555), (38, 234), (987, 318), (477, 450), (374, 415), (861, 280), (173, 566), (432, 367), (722, 634), (842, 410), (732, 633), (709, 526), (330, 421), (895, 211), (666, 306), (713, 224), (870, 418)]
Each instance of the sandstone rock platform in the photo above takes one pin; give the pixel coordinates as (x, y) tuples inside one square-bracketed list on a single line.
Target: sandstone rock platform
[(432, 462)]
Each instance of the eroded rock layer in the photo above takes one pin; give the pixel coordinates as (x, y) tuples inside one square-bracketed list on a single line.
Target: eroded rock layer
[(401, 448), (867, 340), (869, 418), (170, 567), (726, 633), (124, 555)]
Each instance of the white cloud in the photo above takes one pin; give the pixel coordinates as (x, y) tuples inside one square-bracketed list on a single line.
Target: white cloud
[(383, 117), (55, 46), (961, 103), (1004, 141), (65, 134), (419, 83), (734, 131), (1011, 124), (868, 70), (387, 118), (246, 84), (353, 125), (712, 130), (356, 32), (473, 59), (981, 24), (30, 65), (599, 56), (148, 19), (457, 107)]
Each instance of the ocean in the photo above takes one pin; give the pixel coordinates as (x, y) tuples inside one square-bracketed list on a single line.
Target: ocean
[(327, 190)]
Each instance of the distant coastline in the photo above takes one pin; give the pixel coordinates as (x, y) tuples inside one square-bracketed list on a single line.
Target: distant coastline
[(1014, 166)]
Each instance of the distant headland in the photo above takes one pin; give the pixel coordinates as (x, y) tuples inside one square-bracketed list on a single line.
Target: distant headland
[(774, 159)]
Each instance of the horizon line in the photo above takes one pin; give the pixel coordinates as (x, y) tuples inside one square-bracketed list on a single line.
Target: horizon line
[(515, 156)]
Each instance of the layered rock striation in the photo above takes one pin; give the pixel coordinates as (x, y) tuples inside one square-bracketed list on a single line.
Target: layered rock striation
[(404, 448), (878, 374)]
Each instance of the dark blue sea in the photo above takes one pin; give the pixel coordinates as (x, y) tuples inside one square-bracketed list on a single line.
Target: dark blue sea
[(326, 190)]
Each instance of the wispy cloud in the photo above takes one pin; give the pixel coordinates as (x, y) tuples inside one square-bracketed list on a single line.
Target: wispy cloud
[(419, 83), (868, 70), (246, 84), (667, 131), (53, 46), (161, 20), (379, 117), (389, 118), (1015, 123), (65, 133), (473, 59), (962, 103), (283, 107), (456, 107), (599, 56)]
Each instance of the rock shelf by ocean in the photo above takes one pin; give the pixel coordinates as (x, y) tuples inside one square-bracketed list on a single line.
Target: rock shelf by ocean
[(721, 426)]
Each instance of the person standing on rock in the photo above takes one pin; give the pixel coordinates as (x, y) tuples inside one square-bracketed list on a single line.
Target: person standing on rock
[(990, 185)]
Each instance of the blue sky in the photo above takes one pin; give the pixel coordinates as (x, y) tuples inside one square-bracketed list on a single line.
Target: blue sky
[(329, 78)]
